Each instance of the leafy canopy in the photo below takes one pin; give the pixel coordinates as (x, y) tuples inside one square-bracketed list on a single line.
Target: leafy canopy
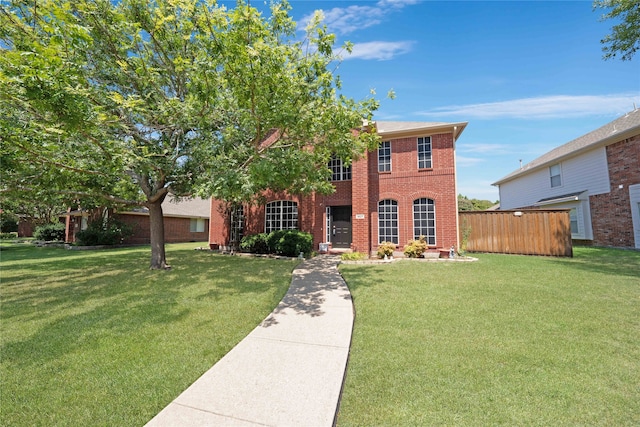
[(625, 36)]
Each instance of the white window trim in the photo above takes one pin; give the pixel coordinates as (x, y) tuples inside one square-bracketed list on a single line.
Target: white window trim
[(281, 215), (430, 160), (390, 168)]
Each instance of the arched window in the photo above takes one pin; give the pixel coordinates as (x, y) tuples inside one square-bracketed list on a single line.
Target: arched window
[(281, 215), (424, 220), (388, 221)]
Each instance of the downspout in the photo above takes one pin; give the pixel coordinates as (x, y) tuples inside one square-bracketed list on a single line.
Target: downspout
[(455, 186)]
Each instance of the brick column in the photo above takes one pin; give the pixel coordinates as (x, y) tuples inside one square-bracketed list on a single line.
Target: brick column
[(361, 217)]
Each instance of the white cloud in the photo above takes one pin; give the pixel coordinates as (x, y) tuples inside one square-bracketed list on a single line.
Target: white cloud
[(544, 107), (463, 161), (380, 50), (345, 20), (483, 148)]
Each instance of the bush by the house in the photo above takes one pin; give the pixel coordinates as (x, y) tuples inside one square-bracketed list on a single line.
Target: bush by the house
[(50, 232), (8, 222), (415, 248), (386, 248), (255, 243), (9, 235), (101, 232), (353, 256), (281, 242)]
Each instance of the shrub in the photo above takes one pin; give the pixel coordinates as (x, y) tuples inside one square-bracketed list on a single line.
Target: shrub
[(353, 256), (255, 243), (293, 242), (50, 232), (100, 232), (415, 248), (386, 248), (8, 222), (9, 235)]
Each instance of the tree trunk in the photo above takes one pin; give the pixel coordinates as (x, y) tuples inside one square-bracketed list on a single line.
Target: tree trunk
[(156, 224)]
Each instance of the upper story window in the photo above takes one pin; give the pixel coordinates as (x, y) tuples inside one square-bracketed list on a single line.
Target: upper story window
[(388, 221), (281, 215), (555, 175), (424, 152), (384, 157), (424, 220), (339, 172)]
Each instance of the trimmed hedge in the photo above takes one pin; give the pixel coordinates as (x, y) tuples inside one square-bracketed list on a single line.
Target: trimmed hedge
[(280, 242), (110, 232), (50, 232)]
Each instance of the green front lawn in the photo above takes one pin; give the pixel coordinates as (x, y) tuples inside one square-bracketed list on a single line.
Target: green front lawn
[(96, 338), (507, 340)]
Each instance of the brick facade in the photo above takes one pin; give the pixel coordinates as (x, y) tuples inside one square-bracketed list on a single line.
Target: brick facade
[(403, 184), (611, 212), (176, 229)]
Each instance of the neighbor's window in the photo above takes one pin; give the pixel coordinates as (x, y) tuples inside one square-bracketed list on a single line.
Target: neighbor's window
[(237, 223), (388, 221), (424, 152), (281, 215), (384, 157), (339, 172), (573, 218), (424, 220), (196, 225), (554, 173)]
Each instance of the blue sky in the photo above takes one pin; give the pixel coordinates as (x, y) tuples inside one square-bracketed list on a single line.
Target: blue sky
[(527, 75)]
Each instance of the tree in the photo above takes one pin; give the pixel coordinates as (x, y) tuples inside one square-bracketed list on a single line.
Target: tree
[(129, 101), (625, 36), (466, 204)]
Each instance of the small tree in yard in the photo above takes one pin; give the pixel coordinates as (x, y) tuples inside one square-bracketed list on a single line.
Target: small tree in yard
[(129, 101)]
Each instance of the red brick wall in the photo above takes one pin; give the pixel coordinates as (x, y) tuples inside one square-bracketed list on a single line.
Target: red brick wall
[(404, 183), (611, 212), (176, 230)]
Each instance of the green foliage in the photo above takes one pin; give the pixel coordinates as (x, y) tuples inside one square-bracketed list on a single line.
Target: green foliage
[(353, 256), (50, 232), (466, 204), (281, 242), (255, 243), (625, 35), (386, 248), (101, 232), (9, 235), (466, 233), (132, 100), (8, 222), (415, 248)]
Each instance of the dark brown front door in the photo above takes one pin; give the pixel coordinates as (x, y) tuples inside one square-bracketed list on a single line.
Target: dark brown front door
[(341, 226)]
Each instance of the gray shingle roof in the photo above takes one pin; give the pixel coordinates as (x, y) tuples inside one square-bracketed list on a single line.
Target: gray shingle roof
[(614, 131)]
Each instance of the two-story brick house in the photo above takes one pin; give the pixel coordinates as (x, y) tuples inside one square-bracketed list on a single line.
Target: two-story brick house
[(404, 190)]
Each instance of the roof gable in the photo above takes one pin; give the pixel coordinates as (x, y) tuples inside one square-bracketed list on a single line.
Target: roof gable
[(617, 130)]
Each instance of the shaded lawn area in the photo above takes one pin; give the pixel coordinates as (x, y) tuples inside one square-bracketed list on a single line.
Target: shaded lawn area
[(96, 338), (508, 340)]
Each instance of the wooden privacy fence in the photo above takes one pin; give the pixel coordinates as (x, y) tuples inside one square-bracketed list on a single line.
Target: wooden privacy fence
[(526, 232)]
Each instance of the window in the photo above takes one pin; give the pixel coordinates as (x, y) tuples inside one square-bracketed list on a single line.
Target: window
[(424, 152), (424, 220), (573, 218), (281, 215), (339, 172), (196, 225), (388, 221), (384, 157), (555, 174), (237, 224)]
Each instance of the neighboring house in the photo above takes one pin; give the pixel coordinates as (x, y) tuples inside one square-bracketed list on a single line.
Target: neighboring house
[(596, 177), (404, 190), (184, 221)]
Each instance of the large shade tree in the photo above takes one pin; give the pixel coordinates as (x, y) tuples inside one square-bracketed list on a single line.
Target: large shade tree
[(133, 100), (624, 39)]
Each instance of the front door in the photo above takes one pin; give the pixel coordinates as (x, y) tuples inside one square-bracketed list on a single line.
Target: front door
[(341, 226)]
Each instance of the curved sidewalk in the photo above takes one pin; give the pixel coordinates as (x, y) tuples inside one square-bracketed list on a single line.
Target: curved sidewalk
[(288, 371)]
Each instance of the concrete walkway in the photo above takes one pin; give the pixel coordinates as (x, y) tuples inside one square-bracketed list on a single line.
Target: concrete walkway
[(288, 371)]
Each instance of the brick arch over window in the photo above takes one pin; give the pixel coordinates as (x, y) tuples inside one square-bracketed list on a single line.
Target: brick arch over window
[(424, 220), (388, 221), (281, 215)]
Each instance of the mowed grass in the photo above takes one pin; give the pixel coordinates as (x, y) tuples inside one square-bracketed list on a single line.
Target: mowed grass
[(96, 338), (507, 340)]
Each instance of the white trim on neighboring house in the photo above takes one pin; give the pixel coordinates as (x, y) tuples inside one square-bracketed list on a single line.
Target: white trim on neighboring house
[(578, 203), (634, 197)]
